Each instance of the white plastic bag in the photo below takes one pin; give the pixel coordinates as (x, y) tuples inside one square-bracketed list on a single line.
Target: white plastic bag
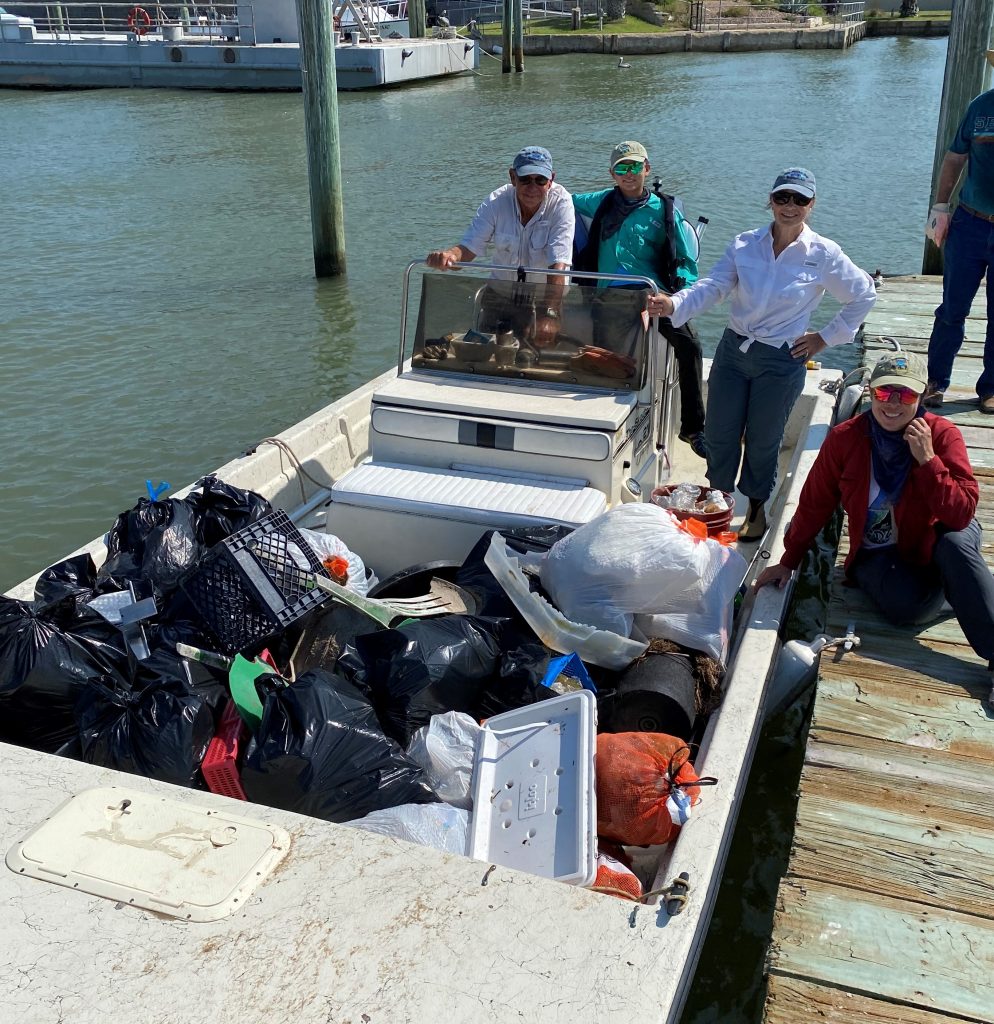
[(709, 627), (436, 825), (327, 545), (445, 749), (632, 559)]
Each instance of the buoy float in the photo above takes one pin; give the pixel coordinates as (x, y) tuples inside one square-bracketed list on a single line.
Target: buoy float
[(139, 20)]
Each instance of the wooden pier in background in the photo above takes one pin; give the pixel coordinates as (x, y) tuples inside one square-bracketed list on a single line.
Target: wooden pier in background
[(886, 913)]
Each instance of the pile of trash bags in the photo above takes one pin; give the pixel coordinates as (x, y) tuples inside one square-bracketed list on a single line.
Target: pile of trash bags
[(116, 666)]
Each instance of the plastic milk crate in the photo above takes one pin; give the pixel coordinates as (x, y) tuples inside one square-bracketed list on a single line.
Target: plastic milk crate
[(220, 764), (255, 583)]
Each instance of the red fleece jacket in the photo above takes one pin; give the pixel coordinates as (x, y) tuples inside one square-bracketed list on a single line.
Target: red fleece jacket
[(944, 491)]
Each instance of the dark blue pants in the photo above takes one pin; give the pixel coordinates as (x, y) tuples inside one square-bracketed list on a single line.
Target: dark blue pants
[(968, 256), (912, 594), (750, 395)]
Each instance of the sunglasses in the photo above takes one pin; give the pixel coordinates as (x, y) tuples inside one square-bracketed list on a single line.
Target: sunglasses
[(783, 198), (907, 396), (533, 179), (631, 167)]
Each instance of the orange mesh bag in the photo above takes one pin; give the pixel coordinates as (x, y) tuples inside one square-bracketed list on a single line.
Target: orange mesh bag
[(614, 874), (644, 787)]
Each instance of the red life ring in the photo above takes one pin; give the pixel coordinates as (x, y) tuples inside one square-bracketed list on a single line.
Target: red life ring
[(139, 20)]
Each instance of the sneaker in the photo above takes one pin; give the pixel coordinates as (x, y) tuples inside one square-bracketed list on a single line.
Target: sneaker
[(696, 442), (755, 522), (932, 399), (987, 404)]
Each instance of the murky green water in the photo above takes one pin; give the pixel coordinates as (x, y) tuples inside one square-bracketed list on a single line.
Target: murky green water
[(158, 313)]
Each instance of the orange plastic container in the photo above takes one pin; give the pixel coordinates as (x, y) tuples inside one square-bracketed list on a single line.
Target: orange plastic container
[(716, 522), (220, 763)]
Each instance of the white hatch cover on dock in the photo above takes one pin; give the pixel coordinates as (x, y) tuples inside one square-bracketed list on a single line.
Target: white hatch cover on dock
[(151, 852)]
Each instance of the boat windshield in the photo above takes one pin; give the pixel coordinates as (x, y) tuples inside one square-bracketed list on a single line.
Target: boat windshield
[(493, 327)]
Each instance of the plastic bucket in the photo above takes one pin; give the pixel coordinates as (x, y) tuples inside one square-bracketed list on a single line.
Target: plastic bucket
[(716, 522), (657, 694)]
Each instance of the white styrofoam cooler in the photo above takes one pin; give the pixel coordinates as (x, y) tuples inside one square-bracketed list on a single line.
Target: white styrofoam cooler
[(394, 516)]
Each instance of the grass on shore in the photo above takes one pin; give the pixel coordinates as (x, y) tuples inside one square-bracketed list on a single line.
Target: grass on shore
[(561, 27)]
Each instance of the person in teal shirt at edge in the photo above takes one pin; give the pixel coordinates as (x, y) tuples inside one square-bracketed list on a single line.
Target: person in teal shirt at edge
[(622, 230)]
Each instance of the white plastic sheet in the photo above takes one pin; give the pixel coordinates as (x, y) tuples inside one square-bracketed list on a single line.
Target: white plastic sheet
[(445, 748), (633, 559), (327, 545), (436, 825)]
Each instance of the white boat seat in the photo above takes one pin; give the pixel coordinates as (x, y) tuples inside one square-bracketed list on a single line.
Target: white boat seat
[(385, 511)]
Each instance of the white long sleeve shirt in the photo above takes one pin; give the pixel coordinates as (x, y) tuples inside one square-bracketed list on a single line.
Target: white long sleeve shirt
[(773, 298), (546, 239)]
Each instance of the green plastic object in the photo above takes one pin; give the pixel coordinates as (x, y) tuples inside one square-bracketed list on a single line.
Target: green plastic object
[(241, 681)]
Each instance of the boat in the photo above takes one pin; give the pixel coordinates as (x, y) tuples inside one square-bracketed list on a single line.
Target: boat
[(241, 46), (471, 430)]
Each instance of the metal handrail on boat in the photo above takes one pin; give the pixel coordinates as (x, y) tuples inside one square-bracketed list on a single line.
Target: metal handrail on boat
[(67, 22)]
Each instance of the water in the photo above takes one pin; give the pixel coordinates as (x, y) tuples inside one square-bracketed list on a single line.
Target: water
[(158, 313)]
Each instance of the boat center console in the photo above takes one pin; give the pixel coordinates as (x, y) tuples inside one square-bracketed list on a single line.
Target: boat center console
[(508, 416)]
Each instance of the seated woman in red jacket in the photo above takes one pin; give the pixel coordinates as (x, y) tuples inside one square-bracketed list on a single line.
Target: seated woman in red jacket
[(903, 477)]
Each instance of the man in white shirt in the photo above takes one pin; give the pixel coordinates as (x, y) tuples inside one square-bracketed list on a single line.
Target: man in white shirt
[(529, 223)]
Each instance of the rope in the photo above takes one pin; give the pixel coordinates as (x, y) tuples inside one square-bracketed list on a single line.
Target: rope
[(292, 456)]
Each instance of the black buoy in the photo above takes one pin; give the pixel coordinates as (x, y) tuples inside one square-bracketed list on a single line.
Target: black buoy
[(656, 694)]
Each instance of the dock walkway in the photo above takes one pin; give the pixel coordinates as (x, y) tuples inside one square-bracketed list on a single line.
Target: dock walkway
[(886, 913)]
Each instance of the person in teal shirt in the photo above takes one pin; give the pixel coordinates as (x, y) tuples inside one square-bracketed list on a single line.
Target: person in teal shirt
[(623, 230)]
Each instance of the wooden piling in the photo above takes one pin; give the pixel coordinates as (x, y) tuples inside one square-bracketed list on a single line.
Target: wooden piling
[(506, 36), (967, 74), (519, 36), (324, 169), (417, 20)]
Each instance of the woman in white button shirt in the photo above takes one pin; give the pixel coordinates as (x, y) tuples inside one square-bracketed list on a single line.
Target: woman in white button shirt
[(775, 278)]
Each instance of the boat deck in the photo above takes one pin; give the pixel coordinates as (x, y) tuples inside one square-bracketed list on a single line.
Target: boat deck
[(886, 913)]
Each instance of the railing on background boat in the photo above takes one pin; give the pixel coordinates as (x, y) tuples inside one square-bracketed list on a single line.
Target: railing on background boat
[(66, 22), (708, 15)]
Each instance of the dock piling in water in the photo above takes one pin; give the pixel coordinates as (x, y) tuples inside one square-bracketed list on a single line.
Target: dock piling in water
[(324, 166)]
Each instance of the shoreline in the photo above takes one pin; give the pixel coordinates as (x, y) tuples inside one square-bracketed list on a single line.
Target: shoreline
[(743, 40)]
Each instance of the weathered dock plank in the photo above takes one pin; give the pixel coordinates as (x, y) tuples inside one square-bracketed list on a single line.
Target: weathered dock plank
[(886, 913), (906, 953), (791, 999)]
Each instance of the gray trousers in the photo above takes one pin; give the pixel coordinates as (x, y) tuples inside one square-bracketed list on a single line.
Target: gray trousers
[(750, 396), (912, 594)]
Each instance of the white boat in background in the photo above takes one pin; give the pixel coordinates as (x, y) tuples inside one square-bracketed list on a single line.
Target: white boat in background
[(239, 46), (356, 926)]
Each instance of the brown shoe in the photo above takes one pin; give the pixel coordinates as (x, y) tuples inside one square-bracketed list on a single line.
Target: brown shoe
[(755, 522), (932, 399), (987, 404)]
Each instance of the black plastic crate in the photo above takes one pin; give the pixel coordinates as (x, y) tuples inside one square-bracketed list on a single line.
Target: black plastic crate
[(250, 587)]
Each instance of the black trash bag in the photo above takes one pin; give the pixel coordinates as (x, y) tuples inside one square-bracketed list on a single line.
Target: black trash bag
[(74, 577), (427, 667), (522, 668), (475, 577), (158, 728), (207, 683), (44, 669), (319, 750), (156, 541), (222, 509)]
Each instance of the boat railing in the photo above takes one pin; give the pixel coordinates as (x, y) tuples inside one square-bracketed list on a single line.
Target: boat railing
[(77, 22)]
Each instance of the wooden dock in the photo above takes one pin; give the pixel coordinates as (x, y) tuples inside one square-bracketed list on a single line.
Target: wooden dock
[(886, 913)]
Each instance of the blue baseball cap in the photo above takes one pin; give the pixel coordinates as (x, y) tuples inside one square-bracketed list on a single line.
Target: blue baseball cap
[(795, 179), (533, 160)]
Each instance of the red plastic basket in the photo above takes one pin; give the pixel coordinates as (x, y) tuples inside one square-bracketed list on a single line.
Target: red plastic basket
[(220, 764)]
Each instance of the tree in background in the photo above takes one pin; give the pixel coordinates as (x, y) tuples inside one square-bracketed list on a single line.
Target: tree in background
[(614, 10)]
